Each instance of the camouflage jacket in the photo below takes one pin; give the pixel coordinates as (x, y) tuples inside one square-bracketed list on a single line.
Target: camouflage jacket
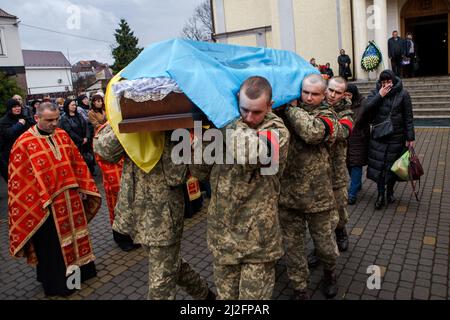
[(243, 225), (338, 151), (306, 182), (150, 206)]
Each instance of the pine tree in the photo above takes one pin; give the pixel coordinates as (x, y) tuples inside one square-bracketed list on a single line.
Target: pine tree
[(8, 88), (126, 49)]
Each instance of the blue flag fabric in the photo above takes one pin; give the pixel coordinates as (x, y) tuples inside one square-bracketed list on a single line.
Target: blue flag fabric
[(210, 74)]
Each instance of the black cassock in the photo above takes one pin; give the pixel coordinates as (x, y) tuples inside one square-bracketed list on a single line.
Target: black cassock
[(51, 269)]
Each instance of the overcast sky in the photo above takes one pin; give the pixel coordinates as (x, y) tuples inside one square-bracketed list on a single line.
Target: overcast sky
[(151, 21)]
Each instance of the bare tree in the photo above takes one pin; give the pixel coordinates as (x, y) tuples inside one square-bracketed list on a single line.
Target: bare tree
[(199, 27)]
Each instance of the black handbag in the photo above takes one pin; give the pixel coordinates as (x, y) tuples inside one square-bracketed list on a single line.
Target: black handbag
[(384, 128)]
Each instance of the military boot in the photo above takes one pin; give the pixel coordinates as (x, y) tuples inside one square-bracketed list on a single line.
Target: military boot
[(341, 239), (211, 295), (301, 295), (313, 259), (329, 284)]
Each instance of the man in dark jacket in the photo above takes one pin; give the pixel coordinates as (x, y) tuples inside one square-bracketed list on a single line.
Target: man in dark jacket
[(344, 65), (12, 125), (396, 50), (389, 101), (411, 54)]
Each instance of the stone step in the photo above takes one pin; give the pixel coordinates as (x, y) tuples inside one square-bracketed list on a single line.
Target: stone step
[(443, 79), (432, 112), (432, 105), (415, 93), (422, 116), (413, 87), (430, 99), (431, 121)]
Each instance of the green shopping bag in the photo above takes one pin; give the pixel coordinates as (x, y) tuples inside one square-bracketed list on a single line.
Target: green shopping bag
[(400, 166)]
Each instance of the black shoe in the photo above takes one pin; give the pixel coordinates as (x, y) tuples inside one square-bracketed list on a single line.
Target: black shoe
[(329, 284), (313, 260), (301, 295), (379, 204), (390, 196), (211, 295), (128, 246), (351, 201), (342, 239)]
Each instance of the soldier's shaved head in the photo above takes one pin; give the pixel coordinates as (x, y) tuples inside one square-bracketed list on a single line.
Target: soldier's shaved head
[(256, 86), (255, 100), (339, 80), (313, 90), (314, 79), (336, 90)]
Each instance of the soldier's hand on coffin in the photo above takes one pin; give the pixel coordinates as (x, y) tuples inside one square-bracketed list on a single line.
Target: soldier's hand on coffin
[(280, 108), (293, 103)]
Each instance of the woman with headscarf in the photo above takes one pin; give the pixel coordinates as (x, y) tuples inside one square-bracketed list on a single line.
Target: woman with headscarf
[(83, 105), (358, 144), (389, 102), (77, 128), (12, 125)]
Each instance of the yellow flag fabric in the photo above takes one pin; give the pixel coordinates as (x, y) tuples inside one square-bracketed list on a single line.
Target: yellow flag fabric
[(144, 148)]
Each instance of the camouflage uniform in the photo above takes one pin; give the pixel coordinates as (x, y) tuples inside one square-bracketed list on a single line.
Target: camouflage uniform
[(338, 156), (307, 194), (243, 231), (150, 208)]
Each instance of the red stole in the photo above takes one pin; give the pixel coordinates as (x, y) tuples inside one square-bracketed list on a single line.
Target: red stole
[(111, 173)]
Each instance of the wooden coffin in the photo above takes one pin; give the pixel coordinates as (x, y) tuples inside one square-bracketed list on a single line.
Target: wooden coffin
[(173, 112)]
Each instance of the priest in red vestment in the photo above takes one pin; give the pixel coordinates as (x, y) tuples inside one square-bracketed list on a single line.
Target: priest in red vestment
[(51, 198)]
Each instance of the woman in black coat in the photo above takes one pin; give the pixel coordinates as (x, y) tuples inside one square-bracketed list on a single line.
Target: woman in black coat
[(77, 128), (388, 101), (358, 144), (12, 125)]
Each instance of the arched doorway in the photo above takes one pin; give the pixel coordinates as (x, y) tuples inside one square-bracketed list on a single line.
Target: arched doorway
[(428, 20)]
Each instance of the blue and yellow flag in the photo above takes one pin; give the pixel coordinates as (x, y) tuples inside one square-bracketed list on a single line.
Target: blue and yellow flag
[(210, 74), (144, 148)]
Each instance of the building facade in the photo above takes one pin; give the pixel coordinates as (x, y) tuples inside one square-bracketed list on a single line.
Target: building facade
[(11, 61), (47, 72), (320, 28)]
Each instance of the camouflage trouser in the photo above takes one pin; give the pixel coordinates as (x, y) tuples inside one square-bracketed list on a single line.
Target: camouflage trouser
[(341, 196), (246, 281), (293, 225), (166, 270)]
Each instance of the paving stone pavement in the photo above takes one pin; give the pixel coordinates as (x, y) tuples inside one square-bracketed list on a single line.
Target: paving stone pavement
[(408, 240)]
